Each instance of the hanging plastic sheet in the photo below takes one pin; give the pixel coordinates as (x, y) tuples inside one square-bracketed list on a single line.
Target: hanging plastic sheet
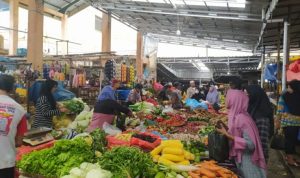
[(60, 94), (270, 72)]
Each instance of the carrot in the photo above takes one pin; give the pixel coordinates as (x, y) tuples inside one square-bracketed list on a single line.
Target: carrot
[(223, 175), (193, 175), (204, 177), (207, 173), (212, 167)]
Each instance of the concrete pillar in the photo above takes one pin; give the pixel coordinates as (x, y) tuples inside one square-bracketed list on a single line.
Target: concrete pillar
[(35, 33), (14, 21), (139, 55), (106, 32), (64, 34)]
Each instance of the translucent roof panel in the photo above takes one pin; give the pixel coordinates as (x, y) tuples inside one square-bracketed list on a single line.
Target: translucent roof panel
[(157, 1), (194, 2)]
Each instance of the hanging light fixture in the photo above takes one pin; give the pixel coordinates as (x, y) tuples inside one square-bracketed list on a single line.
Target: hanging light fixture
[(178, 32)]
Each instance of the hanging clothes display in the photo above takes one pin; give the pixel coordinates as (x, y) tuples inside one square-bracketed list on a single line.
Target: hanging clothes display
[(110, 69)]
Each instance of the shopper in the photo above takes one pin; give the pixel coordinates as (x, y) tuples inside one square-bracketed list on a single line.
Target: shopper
[(289, 115), (192, 90), (177, 90), (245, 144), (46, 106), (261, 111), (135, 94), (105, 111), (236, 83), (109, 91), (13, 125), (213, 97)]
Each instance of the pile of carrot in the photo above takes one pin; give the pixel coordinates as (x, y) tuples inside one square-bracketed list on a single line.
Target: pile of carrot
[(210, 169)]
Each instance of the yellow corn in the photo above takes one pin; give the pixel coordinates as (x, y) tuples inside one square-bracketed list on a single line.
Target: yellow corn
[(173, 151), (185, 162), (165, 161), (188, 155), (156, 150), (175, 158), (156, 158), (172, 143)]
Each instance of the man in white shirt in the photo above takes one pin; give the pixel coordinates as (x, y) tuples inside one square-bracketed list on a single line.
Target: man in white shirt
[(13, 125), (192, 90)]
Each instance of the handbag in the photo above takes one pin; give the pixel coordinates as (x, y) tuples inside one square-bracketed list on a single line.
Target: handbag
[(278, 141), (218, 146)]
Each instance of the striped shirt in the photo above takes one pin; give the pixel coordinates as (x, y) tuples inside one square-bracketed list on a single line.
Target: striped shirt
[(44, 113)]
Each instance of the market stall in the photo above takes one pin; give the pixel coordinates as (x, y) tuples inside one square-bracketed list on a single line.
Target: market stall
[(158, 142)]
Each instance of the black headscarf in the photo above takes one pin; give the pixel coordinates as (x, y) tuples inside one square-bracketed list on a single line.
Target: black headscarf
[(292, 100), (260, 105)]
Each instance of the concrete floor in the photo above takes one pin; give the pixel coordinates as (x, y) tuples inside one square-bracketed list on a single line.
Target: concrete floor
[(277, 167)]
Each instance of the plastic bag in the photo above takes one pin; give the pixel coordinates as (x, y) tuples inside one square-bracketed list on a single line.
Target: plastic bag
[(113, 142), (218, 146), (278, 141), (194, 104), (168, 109), (110, 129)]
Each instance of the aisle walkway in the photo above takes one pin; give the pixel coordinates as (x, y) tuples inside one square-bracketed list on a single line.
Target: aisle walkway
[(277, 167)]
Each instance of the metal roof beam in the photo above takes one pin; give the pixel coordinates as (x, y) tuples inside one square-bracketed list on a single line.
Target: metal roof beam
[(178, 10), (129, 9), (267, 16)]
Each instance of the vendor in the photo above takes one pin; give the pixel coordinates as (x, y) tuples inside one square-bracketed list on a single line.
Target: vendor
[(135, 94), (105, 111), (192, 90), (175, 100), (46, 106), (106, 108), (109, 91)]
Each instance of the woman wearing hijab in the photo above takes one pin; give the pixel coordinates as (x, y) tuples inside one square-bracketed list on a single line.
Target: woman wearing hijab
[(213, 98), (289, 115), (245, 144), (107, 107), (262, 113)]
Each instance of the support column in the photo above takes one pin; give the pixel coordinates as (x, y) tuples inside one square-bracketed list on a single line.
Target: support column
[(106, 32), (139, 55), (35, 33), (285, 53), (278, 61), (262, 79), (64, 34), (14, 21)]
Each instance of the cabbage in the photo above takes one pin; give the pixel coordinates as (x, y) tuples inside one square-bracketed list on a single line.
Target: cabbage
[(77, 172), (98, 173)]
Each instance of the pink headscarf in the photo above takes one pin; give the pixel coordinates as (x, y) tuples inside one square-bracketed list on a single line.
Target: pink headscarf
[(240, 121)]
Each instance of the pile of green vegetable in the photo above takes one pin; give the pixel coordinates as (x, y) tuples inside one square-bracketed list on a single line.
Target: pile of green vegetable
[(75, 105), (128, 162), (196, 147), (206, 130), (99, 140), (58, 160), (142, 106)]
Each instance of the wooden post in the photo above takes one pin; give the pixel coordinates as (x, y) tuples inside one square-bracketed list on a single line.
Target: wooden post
[(139, 56), (106, 32), (14, 21), (35, 34)]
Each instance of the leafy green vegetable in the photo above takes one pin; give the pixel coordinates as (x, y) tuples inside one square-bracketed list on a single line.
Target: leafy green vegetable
[(74, 105), (128, 162), (206, 130), (58, 160), (99, 140)]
